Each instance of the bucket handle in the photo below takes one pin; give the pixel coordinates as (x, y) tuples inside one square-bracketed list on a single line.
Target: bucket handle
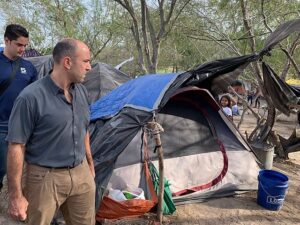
[(264, 189)]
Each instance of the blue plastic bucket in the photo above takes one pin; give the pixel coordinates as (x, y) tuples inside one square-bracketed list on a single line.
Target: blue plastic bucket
[(272, 186)]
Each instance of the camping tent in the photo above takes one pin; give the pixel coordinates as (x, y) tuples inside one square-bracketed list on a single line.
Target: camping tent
[(205, 156)]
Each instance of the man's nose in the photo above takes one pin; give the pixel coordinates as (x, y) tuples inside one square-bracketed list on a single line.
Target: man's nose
[(89, 67), (23, 47)]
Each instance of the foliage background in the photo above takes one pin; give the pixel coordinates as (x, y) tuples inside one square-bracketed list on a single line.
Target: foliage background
[(199, 30)]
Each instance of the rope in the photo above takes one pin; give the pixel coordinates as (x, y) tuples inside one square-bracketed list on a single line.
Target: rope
[(153, 129)]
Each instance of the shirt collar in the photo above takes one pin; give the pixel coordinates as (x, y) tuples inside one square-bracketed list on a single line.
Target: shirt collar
[(54, 88), (5, 58)]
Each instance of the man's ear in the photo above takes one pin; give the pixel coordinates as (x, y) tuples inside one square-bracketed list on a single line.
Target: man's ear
[(67, 62)]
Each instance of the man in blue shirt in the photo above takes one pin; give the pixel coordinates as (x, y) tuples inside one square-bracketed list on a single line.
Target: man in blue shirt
[(16, 40)]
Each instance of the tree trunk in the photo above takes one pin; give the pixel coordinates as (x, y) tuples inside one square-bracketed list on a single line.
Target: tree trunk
[(149, 32), (271, 110)]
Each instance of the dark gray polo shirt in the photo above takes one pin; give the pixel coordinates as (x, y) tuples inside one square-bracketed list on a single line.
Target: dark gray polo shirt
[(52, 129)]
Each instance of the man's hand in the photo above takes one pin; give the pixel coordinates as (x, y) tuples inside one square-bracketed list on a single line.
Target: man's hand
[(88, 153), (17, 208), (17, 205)]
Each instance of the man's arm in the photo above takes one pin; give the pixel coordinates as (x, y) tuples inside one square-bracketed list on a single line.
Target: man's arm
[(88, 153), (17, 202)]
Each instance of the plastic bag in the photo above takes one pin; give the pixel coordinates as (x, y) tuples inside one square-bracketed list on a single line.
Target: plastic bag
[(117, 195), (134, 193)]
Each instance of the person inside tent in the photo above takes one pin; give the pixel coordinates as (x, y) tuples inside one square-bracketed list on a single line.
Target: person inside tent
[(225, 103), (234, 106), (235, 89)]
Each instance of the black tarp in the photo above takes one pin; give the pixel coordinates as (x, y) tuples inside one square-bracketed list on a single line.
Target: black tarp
[(282, 32), (283, 97), (217, 75), (295, 89)]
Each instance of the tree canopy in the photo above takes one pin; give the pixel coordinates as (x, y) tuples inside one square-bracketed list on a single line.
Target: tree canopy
[(161, 35)]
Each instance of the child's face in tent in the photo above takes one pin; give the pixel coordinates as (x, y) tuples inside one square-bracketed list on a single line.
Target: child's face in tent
[(224, 102)]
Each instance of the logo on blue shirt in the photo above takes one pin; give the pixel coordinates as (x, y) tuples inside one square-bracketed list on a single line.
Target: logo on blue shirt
[(23, 70)]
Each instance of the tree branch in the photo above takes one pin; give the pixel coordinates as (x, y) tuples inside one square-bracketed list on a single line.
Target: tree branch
[(135, 31), (271, 110), (290, 58), (152, 31), (248, 27), (103, 46), (224, 40), (264, 16), (144, 31), (176, 17)]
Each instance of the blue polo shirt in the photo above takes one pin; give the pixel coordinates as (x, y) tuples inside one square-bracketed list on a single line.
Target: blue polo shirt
[(25, 75)]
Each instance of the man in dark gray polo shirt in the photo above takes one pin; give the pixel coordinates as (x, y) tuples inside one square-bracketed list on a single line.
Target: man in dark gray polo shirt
[(49, 128)]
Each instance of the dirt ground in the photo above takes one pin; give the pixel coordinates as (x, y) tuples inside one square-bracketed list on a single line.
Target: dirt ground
[(240, 209)]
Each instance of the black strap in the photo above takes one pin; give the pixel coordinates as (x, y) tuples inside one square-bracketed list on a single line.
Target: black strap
[(4, 85)]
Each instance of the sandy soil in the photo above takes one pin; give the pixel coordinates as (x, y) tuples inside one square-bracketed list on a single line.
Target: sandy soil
[(240, 209)]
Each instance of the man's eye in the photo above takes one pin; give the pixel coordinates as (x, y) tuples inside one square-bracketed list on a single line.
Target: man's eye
[(20, 45)]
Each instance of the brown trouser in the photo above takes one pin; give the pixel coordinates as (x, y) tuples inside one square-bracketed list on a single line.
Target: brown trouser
[(71, 190)]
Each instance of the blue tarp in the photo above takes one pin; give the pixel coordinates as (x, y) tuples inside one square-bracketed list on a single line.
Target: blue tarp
[(144, 93)]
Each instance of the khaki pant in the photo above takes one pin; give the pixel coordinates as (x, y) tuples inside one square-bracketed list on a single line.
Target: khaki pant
[(71, 190)]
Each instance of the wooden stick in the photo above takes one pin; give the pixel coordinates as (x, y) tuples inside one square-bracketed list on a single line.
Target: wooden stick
[(156, 129), (161, 177)]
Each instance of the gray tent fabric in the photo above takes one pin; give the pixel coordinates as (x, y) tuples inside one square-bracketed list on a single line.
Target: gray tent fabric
[(100, 80), (109, 138), (103, 79), (43, 64)]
